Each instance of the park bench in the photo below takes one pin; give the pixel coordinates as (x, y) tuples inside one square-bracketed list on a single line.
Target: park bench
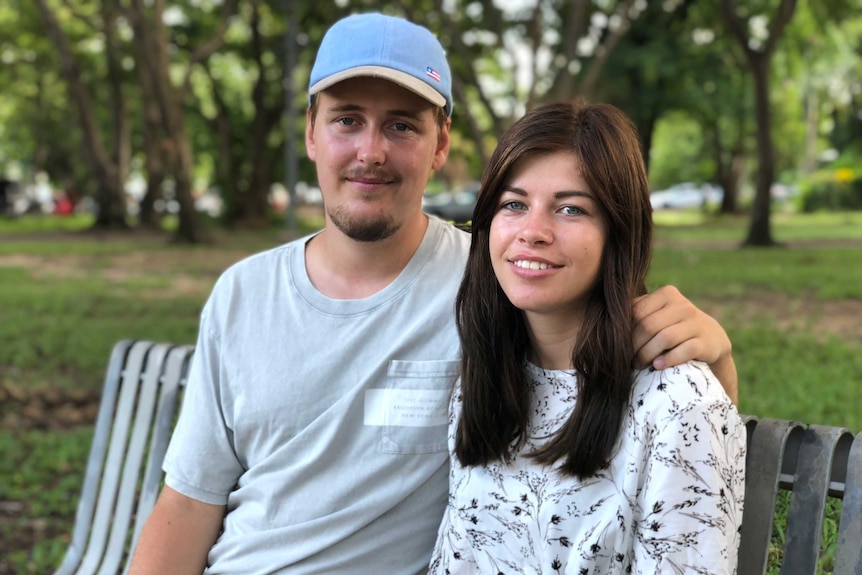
[(143, 389), (141, 394)]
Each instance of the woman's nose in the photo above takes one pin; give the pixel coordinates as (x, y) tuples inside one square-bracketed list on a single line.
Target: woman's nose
[(536, 229)]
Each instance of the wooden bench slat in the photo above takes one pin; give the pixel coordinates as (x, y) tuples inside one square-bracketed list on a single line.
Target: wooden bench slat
[(767, 439), (98, 448), (848, 556), (140, 425), (170, 398), (124, 475), (112, 466), (811, 482)]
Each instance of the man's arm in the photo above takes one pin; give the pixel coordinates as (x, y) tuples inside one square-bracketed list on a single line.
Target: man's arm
[(670, 330), (177, 536)]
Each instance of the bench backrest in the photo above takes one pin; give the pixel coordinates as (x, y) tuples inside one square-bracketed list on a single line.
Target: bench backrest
[(813, 462), (140, 397), (143, 391)]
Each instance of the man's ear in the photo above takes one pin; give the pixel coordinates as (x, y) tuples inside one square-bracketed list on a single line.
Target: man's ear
[(443, 143), (309, 135)]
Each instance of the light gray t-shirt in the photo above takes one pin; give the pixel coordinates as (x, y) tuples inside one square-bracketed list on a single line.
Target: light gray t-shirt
[(321, 423)]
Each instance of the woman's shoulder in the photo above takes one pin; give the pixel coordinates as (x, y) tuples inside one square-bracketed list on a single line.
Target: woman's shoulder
[(659, 393)]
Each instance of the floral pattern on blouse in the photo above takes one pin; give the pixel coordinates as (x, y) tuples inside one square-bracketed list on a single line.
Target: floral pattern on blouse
[(670, 501)]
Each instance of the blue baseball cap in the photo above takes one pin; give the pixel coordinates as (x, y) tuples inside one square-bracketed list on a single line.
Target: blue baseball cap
[(380, 46)]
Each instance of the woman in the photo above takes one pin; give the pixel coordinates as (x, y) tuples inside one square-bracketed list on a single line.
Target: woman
[(564, 459)]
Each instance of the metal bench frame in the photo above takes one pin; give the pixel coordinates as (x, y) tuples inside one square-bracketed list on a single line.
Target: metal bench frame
[(812, 462), (143, 391), (140, 397)]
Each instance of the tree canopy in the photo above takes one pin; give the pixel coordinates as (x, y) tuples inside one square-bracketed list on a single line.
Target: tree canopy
[(196, 95)]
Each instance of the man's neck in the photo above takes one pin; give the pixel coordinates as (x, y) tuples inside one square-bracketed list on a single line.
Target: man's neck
[(343, 268)]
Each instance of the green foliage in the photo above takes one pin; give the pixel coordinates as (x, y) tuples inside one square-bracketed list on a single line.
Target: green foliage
[(827, 193), (678, 154), (837, 187)]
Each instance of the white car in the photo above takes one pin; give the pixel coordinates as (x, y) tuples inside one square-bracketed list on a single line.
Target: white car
[(685, 195)]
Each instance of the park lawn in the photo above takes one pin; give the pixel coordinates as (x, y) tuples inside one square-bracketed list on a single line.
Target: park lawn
[(792, 314)]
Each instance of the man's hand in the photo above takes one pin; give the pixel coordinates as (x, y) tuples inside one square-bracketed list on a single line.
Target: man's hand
[(670, 330)]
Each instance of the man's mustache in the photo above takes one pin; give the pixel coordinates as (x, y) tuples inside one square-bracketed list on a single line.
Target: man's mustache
[(372, 175)]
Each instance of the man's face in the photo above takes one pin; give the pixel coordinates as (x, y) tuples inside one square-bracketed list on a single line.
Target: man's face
[(375, 145)]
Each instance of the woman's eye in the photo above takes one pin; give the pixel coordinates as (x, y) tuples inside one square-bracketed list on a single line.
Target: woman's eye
[(514, 205), (572, 210)]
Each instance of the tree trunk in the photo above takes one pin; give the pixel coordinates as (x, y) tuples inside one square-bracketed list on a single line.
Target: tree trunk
[(150, 31), (730, 177), (266, 119), (760, 232), (154, 150), (151, 35), (728, 166), (106, 174)]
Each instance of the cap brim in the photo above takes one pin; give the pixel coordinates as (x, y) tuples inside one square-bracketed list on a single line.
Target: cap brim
[(404, 80)]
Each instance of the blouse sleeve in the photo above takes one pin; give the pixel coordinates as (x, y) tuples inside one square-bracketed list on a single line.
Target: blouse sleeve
[(692, 495)]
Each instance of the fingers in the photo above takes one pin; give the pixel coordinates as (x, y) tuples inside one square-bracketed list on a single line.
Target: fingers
[(662, 320), (675, 341), (670, 330)]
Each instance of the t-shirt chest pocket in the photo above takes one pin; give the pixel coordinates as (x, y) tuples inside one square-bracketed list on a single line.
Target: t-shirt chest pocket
[(413, 408)]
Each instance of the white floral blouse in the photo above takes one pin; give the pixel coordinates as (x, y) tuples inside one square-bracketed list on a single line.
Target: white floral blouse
[(670, 501)]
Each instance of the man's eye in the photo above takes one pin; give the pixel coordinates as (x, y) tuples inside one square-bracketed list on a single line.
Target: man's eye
[(346, 121), (402, 127)]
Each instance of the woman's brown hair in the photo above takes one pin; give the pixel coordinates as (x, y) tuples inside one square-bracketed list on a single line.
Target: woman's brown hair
[(494, 339)]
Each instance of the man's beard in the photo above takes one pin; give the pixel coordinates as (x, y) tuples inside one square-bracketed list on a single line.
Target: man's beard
[(363, 230)]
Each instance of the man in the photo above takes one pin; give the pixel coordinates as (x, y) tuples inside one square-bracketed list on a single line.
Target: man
[(313, 432)]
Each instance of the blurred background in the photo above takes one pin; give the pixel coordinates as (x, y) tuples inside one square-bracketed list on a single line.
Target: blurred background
[(130, 110), (146, 145)]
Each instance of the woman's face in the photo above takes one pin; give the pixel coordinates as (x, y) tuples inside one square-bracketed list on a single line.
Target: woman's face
[(547, 237)]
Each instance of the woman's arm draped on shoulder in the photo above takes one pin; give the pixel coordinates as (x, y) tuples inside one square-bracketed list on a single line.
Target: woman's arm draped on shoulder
[(177, 536), (692, 497), (670, 330)]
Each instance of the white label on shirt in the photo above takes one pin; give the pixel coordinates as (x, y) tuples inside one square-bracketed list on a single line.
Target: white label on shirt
[(406, 407)]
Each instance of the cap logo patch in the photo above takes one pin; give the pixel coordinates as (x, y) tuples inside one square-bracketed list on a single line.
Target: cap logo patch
[(432, 73)]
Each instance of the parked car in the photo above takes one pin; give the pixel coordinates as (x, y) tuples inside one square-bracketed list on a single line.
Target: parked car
[(686, 195), (454, 206)]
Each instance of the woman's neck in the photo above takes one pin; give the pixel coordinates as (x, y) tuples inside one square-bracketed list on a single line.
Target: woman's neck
[(552, 341)]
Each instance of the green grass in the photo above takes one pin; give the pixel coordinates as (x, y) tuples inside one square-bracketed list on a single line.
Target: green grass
[(693, 226), (64, 305), (826, 272), (800, 378), (42, 471), (35, 224)]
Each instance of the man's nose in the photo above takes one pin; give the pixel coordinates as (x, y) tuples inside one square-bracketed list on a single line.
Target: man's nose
[(371, 148)]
